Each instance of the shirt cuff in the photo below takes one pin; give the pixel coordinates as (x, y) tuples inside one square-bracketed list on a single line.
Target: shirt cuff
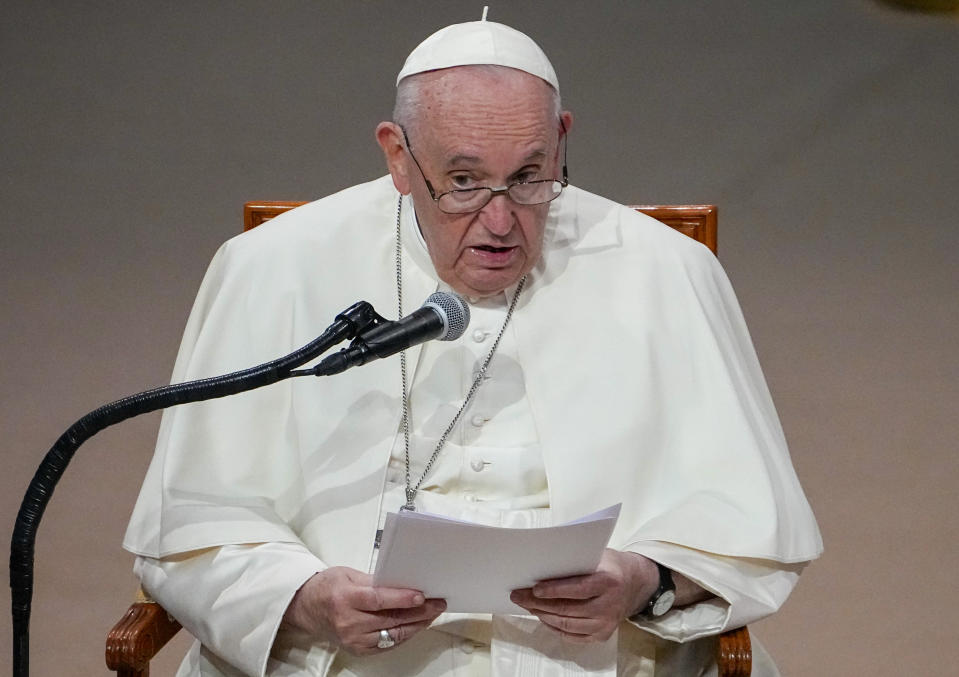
[(746, 589)]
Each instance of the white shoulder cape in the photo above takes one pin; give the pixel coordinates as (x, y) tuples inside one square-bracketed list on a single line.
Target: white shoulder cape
[(643, 382)]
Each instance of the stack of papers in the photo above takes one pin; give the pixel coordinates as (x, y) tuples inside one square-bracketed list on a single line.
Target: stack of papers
[(474, 567)]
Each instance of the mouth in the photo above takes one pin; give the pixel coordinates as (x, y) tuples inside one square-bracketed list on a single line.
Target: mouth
[(492, 249), (491, 256)]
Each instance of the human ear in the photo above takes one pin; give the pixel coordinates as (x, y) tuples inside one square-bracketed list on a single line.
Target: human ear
[(390, 138)]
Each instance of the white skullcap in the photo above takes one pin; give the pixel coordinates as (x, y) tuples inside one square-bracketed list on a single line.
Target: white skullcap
[(475, 43)]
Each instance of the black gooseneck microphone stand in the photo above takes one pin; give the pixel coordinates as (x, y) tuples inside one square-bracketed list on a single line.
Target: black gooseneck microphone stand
[(348, 324)]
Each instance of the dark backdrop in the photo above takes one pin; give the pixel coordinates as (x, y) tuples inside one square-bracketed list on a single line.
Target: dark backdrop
[(826, 130)]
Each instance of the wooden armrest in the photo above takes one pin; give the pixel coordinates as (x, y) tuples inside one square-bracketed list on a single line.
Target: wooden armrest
[(137, 637), (735, 657)]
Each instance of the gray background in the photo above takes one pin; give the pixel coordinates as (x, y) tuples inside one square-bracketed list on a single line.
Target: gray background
[(826, 130)]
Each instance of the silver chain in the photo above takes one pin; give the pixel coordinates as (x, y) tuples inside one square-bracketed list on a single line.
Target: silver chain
[(478, 377)]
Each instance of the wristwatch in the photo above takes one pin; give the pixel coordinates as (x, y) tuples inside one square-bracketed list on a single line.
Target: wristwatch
[(662, 600)]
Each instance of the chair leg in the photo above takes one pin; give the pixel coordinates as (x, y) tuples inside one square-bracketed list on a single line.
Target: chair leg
[(134, 673)]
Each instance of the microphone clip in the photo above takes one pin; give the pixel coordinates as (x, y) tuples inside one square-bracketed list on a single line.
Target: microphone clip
[(362, 319), (444, 317), (360, 316)]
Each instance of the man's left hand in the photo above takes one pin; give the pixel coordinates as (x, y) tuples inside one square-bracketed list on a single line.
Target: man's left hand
[(589, 608)]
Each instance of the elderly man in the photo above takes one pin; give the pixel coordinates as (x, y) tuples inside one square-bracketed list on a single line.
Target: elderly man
[(607, 362)]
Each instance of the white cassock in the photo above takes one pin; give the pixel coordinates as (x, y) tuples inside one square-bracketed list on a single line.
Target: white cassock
[(626, 375)]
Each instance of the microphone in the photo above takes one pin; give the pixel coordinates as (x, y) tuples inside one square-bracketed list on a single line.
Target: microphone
[(442, 316)]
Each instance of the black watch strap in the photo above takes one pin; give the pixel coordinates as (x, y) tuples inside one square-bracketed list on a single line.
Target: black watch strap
[(662, 599)]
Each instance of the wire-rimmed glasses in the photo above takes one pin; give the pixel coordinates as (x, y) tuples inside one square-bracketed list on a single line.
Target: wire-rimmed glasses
[(466, 200)]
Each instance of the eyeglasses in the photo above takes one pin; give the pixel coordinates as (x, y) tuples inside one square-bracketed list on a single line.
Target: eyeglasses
[(466, 200)]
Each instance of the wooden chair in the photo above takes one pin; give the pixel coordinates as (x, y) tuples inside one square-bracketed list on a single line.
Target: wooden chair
[(146, 626)]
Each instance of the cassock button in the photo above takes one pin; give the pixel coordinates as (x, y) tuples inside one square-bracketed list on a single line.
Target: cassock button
[(479, 335), (477, 465), (469, 498), (473, 299), (478, 420), (467, 646)]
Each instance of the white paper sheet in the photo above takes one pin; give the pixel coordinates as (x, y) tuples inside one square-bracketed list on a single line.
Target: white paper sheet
[(475, 567)]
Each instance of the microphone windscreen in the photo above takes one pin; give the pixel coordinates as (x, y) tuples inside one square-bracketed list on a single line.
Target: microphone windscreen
[(454, 311)]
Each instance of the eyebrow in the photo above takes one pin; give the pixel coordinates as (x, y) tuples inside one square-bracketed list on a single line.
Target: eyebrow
[(463, 159), (474, 160)]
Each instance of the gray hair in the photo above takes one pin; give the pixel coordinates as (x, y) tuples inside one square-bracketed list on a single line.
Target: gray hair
[(409, 95)]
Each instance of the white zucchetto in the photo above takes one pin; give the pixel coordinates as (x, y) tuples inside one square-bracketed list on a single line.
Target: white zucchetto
[(476, 43)]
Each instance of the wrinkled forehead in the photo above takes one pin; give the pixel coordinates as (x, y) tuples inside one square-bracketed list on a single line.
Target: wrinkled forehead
[(484, 99)]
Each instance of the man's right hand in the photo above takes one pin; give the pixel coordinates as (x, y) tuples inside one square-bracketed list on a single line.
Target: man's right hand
[(341, 606)]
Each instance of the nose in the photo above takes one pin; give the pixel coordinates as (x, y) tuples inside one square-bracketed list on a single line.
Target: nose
[(497, 215)]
